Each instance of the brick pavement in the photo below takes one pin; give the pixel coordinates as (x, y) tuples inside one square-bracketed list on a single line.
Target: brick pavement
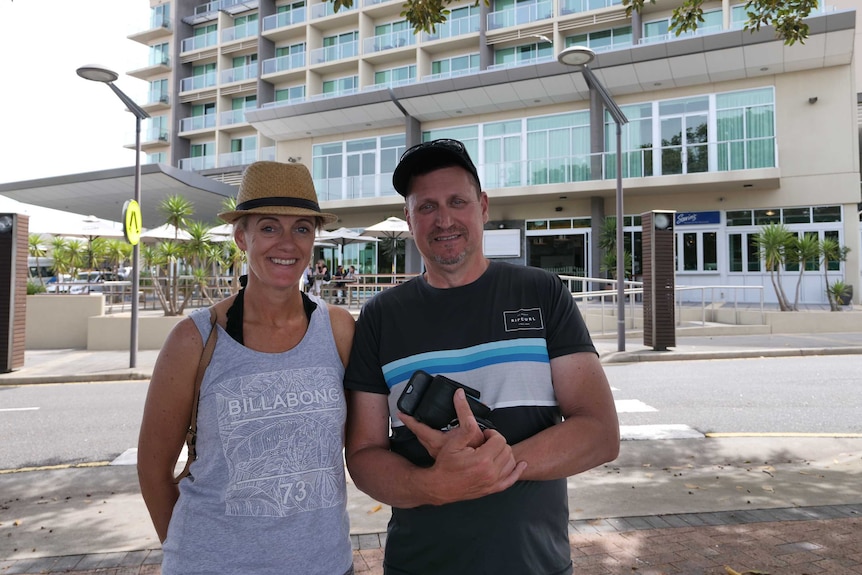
[(793, 541)]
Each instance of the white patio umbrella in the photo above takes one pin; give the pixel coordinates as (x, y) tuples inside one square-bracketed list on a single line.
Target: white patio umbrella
[(166, 232), (343, 236), (392, 228)]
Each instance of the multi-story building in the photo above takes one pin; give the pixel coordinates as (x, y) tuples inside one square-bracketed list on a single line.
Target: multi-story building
[(730, 129)]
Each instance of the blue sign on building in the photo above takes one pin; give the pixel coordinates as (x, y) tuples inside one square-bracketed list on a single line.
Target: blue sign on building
[(697, 218)]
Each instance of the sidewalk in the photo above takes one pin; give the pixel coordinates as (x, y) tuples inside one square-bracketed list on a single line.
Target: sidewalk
[(772, 504)]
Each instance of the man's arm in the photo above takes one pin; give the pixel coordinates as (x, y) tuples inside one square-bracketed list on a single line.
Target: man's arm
[(459, 473), (589, 434)]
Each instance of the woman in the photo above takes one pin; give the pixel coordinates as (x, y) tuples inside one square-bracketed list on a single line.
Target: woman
[(266, 493)]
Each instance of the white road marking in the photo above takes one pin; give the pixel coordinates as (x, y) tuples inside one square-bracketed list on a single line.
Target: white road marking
[(19, 409), (632, 406), (669, 431)]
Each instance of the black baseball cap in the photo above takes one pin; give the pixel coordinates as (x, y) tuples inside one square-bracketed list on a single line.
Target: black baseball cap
[(429, 156)]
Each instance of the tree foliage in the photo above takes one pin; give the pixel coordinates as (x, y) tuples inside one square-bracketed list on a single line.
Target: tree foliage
[(786, 16)]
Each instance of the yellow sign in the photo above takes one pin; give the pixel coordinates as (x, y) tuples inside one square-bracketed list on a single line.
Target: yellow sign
[(132, 222)]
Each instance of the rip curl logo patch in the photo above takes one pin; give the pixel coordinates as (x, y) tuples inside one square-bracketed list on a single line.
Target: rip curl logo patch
[(523, 319)]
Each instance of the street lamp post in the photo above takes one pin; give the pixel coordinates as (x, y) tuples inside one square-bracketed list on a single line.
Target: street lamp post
[(580, 57), (106, 76)]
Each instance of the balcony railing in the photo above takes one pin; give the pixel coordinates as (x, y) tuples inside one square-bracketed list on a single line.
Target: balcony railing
[(753, 153), (239, 74), (327, 8), (267, 154), (452, 28), (157, 59), (199, 42), (354, 187), (232, 117), (197, 164), (522, 61), (156, 134), (333, 53), (283, 63), (237, 158), (389, 41), (192, 123), (239, 32), (158, 97), (282, 19), (671, 36), (160, 20), (520, 15), (207, 80), (577, 6), (450, 74)]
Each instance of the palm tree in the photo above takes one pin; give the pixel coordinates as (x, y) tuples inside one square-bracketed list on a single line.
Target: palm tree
[(76, 255), (773, 240), (59, 253), (177, 210), (97, 251), (801, 251), (118, 252), (831, 251), (37, 250), (170, 253), (608, 245)]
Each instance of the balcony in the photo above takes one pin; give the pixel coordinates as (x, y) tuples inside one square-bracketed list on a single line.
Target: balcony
[(239, 74), (238, 6), (522, 62), (198, 164), (284, 63), (193, 123), (450, 74), (578, 6), (157, 99), (671, 36), (242, 158), (208, 80), (520, 15), (334, 53), (453, 28), (389, 41), (154, 136), (284, 19), (232, 117), (327, 8), (247, 30), (199, 42), (355, 187), (203, 13), (160, 27)]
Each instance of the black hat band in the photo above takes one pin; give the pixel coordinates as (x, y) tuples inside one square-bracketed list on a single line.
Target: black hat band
[(278, 202)]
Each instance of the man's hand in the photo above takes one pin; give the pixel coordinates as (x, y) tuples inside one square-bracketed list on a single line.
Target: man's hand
[(469, 463), (433, 439)]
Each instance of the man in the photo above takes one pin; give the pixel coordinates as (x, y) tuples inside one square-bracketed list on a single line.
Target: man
[(471, 500)]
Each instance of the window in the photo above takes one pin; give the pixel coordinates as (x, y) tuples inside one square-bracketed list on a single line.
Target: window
[(743, 252), (456, 65), (395, 76), (341, 46), (699, 251), (684, 135), (393, 35), (340, 86), (160, 55), (292, 94), (558, 148), (502, 144), (745, 129), (160, 16), (519, 55), (603, 40), (637, 142), (158, 92)]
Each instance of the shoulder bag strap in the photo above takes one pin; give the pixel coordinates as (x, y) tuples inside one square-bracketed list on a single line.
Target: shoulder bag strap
[(206, 356)]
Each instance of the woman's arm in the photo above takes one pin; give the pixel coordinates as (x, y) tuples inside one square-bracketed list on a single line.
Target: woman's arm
[(167, 414)]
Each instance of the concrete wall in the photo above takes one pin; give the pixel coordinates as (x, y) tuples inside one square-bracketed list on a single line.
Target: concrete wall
[(113, 332), (79, 322), (60, 321)]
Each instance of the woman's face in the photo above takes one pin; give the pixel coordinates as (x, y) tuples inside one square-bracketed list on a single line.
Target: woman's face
[(277, 247)]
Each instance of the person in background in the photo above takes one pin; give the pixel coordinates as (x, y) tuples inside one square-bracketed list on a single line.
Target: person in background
[(321, 277), (267, 493), (339, 285), (473, 500)]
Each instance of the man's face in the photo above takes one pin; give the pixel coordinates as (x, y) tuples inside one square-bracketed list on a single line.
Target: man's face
[(447, 217)]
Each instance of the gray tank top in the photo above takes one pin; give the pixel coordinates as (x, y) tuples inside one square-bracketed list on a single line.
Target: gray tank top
[(267, 493)]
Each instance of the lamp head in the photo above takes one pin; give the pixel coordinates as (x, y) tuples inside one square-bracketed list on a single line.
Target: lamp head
[(97, 73), (578, 56)]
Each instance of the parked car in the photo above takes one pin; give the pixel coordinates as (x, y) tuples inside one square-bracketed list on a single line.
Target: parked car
[(58, 284), (88, 282)]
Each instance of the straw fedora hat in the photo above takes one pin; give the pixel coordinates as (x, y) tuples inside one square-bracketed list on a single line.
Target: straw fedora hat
[(277, 189)]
